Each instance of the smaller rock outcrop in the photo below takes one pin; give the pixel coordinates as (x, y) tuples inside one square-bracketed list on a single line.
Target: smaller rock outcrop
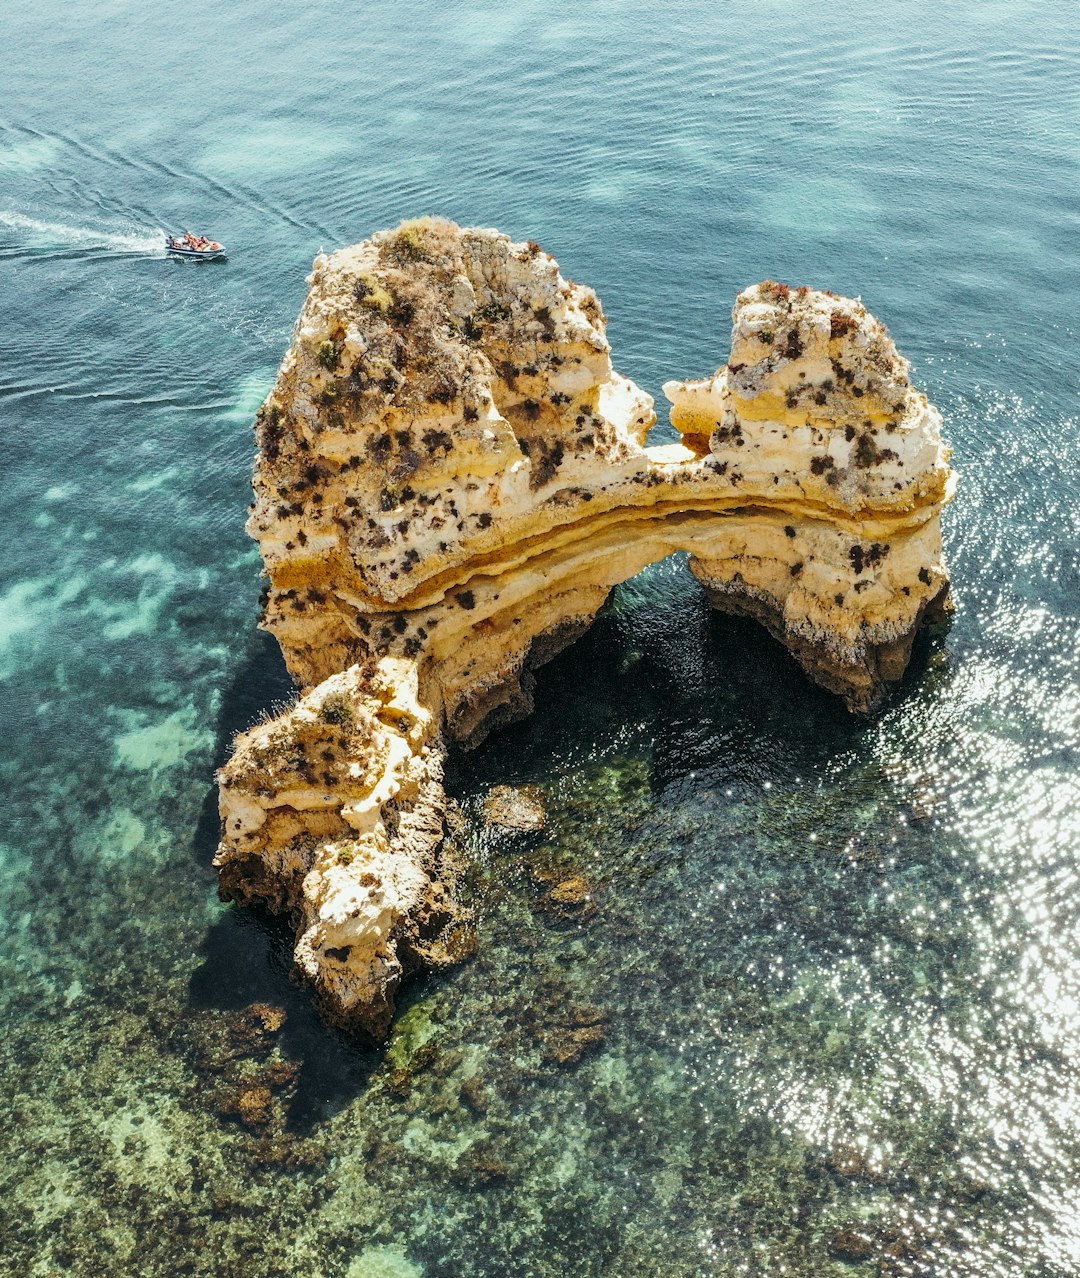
[(519, 808), (334, 813), (814, 416)]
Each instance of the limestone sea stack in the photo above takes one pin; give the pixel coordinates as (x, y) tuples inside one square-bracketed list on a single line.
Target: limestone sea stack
[(451, 479), (815, 413)]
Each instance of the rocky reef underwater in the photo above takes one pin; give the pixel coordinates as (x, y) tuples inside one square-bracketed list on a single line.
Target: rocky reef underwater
[(451, 480)]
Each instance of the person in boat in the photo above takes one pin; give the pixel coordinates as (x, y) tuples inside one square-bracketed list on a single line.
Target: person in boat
[(193, 243)]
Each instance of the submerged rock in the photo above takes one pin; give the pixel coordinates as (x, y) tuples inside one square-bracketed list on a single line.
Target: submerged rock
[(255, 1106), (482, 1164), (256, 1025), (567, 1044), (451, 479), (475, 1095), (515, 808), (572, 891), (570, 898), (851, 1245), (243, 1060)]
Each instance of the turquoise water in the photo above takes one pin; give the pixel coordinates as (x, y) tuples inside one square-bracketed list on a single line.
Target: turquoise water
[(825, 987)]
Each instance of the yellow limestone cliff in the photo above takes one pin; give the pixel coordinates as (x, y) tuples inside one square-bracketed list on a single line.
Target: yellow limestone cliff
[(452, 478)]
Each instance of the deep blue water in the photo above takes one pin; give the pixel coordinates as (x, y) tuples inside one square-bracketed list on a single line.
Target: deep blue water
[(835, 962)]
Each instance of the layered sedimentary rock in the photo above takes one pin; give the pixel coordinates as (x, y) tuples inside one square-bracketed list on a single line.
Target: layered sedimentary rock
[(815, 413), (452, 478)]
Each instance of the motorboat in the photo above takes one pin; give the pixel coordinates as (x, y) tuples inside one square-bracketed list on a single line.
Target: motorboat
[(195, 246)]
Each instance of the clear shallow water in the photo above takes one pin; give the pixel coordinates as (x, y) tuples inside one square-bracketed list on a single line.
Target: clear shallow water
[(834, 964)]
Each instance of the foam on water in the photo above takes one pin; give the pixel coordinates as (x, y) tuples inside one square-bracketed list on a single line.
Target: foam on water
[(249, 394), (35, 233)]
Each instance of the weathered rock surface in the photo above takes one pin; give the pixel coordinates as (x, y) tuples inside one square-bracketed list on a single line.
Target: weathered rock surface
[(815, 414), (452, 478), (334, 812)]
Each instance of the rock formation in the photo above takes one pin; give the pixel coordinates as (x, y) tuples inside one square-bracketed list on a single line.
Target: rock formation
[(452, 478), (815, 415)]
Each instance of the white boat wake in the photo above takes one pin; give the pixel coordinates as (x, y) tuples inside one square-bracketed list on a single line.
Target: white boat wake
[(60, 235)]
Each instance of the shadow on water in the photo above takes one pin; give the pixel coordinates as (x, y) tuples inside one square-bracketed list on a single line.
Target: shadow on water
[(261, 685), (246, 960)]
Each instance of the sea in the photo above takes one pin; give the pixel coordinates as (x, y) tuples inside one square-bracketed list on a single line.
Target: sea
[(778, 991)]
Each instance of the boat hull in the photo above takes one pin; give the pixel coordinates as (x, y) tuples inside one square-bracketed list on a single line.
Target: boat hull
[(198, 254)]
